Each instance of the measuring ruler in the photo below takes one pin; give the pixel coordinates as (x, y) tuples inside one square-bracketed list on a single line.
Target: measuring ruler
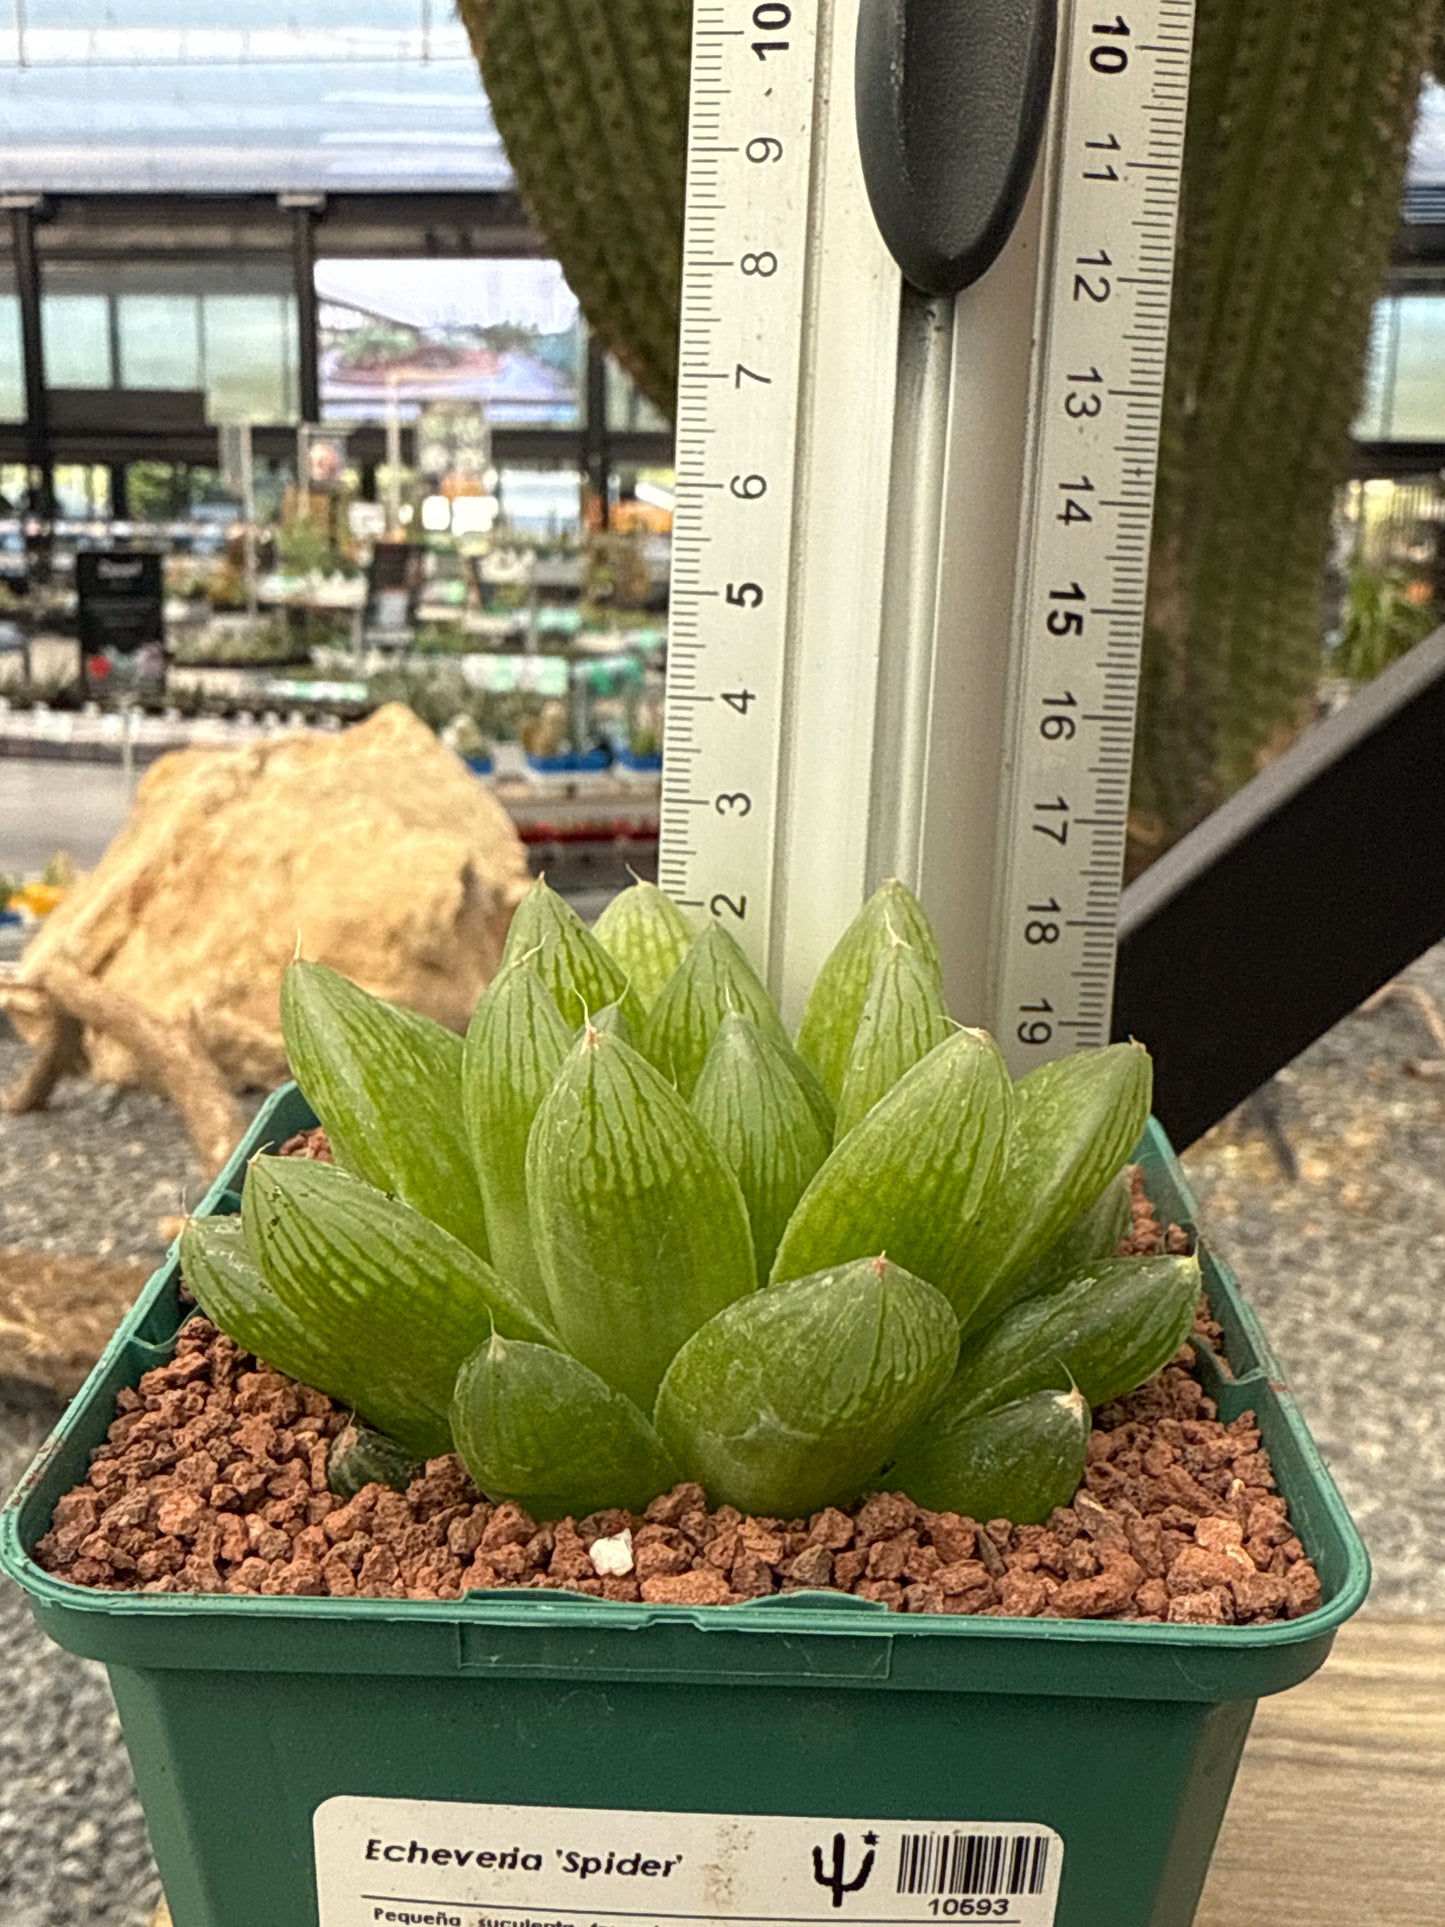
[(912, 528)]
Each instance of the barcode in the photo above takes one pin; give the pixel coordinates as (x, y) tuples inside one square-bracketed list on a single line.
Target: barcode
[(973, 1863)]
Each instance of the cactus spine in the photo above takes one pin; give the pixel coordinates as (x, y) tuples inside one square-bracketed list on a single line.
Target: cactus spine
[(1299, 130)]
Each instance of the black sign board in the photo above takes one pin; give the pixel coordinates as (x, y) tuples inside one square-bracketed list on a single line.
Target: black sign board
[(122, 601), (395, 565), (393, 585)]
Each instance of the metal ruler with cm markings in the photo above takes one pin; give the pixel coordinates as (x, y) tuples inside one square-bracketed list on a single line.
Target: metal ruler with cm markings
[(925, 318)]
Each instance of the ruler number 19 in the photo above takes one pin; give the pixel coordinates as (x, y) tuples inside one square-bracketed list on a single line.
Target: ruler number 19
[(1035, 1029), (771, 17)]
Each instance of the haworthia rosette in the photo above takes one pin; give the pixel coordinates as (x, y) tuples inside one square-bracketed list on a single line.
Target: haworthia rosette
[(913, 1178), (515, 1047), (647, 936), (793, 1398), (1016, 1461), (1076, 1124), (580, 974), (756, 1109), (639, 1227), (712, 979), (904, 1018), (1108, 1329), (835, 1006), (390, 1301), (534, 1426), (386, 1084)]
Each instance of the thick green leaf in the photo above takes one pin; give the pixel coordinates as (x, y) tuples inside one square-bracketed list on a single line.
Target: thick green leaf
[(386, 1083), (1108, 1330), (639, 1226), (913, 1178), (1076, 1124), (612, 1019), (217, 1264), (391, 1303), (712, 979), (580, 974), (793, 1398), (835, 1007), (1016, 1462), (516, 1045), (758, 1112), (1092, 1239), (360, 1457), (535, 1426), (904, 1018), (646, 933)]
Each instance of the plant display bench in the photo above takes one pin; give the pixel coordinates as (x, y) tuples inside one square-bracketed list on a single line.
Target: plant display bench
[(273, 1737)]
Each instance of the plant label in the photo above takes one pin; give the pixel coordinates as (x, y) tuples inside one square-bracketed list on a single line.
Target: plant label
[(437, 1863)]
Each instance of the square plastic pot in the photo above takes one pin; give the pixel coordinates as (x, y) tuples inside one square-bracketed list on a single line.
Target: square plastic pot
[(244, 1715)]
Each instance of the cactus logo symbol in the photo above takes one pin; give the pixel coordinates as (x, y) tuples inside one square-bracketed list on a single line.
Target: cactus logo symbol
[(836, 1881)]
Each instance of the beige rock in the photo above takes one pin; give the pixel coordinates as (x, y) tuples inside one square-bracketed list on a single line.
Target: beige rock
[(375, 851), (57, 1313)]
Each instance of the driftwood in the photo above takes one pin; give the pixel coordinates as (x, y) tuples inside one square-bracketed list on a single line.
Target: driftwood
[(71, 1002), (1431, 1015)]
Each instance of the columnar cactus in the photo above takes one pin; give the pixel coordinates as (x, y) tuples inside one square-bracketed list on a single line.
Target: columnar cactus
[(591, 102), (1300, 122), (1299, 130)]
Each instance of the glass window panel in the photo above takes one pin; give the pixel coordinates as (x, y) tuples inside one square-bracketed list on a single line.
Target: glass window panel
[(541, 501), (249, 349), (506, 333), (1416, 397), (628, 407), (12, 361), (77, 341), (242, 95), (160, 341), (1427, 154)]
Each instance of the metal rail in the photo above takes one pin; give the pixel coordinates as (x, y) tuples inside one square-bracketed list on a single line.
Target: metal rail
[(1313, 886)]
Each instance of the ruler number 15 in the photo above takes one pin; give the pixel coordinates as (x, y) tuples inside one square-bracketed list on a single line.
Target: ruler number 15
[(771, 17)]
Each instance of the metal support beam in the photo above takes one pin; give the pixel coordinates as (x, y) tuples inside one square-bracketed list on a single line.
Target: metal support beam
[(597, 443), (1316, 884), (306, 211), (25, 214)]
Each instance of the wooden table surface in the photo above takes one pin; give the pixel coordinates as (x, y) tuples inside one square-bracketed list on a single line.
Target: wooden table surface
[(1338, 1815)]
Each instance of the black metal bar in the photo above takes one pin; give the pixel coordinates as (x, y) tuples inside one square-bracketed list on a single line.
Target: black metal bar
[(120, 491), (304, 217), (38, 457), (1316, 884), (1396, 460), (597, 444)]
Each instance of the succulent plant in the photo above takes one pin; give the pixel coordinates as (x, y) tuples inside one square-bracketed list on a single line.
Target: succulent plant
[(620, 1235)]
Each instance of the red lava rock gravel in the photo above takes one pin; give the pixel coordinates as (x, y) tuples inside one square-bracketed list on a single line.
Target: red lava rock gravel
[(213, 1479)]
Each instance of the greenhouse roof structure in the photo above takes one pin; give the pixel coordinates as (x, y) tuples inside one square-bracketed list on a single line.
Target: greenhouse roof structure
[(241, 96)]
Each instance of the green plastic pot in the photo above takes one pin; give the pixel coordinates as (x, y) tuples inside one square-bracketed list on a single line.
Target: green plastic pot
[(244, 1715)]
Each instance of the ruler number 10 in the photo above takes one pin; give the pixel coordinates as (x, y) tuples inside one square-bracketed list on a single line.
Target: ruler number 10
[(1107, 58), (771, 17)]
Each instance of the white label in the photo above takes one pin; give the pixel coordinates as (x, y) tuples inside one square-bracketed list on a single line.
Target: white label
[(433, 1863)]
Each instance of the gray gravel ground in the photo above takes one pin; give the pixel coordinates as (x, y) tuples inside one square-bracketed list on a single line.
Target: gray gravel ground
[(1344, 1265), (73, 1846), (94, 1174)]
